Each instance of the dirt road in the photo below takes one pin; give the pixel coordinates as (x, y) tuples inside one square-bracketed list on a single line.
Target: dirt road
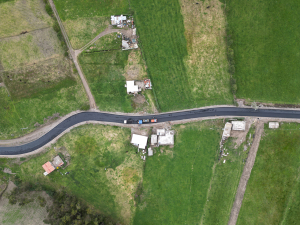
[(246, 175), (74, 57)]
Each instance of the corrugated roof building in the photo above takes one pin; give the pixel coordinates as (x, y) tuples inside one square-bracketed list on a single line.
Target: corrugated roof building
[(227, 129), (117, 20), (131, 87), (48, 167), (57, 161), (167, 139)]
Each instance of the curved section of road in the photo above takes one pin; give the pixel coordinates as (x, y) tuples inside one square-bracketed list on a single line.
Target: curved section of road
[(164, 117)]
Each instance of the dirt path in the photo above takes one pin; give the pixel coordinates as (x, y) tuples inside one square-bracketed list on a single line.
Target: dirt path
[(74, 57), (245, 176)]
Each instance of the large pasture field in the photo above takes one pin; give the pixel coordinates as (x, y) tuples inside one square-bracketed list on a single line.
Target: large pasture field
[(187, 64), (272, 194), (266, 47)]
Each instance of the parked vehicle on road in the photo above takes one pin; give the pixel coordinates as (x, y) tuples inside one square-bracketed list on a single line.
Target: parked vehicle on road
[(153, 120), (146, 120), (129, 121)]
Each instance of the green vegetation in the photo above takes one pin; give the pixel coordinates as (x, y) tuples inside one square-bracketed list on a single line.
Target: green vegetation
[(272, 194), (176, 84), (17, 16), (111, 41), (224, 184), (39, 83), (103, 71), (175, 182), (72, 10), (265, 43), (104, 169), (84, 20), (83, 30)]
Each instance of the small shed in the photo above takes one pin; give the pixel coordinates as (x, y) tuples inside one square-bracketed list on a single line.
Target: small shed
[(153, 139), (48, 167), (238, 125), (139, 140), (131, 87), (57, 161), (167, 139), (147, 83), (161, 131), (227, 129), (273, 125), (150, 152)]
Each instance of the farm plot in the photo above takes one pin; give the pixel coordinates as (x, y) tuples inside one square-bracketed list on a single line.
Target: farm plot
[(22, 15), (104, 169), (111, 41), (84, 20), (265, 42), (272, 194), (173, 60)]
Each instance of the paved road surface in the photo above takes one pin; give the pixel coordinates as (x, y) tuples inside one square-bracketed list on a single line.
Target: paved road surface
[(164, 117)]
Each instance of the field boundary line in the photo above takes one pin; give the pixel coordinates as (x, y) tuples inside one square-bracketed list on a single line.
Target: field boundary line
[(246, 175), (8, 37)]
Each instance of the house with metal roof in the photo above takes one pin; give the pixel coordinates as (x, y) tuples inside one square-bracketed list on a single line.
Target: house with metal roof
[(48, 167), (132, 88), (139, 140)]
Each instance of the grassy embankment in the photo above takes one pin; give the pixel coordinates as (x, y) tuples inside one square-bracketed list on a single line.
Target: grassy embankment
[(185, 53), (178, 182), (104, 169), (265, 42), (39, 80), (272, 194), (84, 20)]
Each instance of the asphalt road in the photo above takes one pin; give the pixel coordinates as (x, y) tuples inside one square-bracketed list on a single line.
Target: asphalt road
[(164, 117)]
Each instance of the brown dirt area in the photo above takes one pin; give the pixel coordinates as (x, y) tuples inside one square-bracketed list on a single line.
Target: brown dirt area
[(135, 68), (206, 62)]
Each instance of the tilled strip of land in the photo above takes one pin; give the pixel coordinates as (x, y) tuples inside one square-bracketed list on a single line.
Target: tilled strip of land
[(246, 175)]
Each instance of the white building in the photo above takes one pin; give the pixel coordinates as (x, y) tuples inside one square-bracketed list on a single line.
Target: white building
[(117, 20), (238, 125), (139, 140), (227, 129), (131, 87), (150, 152), (167, 139), (273, 125), (153, 139)]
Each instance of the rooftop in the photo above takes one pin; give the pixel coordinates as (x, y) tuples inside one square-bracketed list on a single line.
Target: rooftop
[(150, 152), (57, 161), (238, 125), (153, 139), (167, 139), (227, 129), (116, 20), (273, 125), (139, 140), (48, 167), (131, 87)]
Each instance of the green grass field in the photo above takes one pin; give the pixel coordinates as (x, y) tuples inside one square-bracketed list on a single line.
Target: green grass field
[(104, 72), (175, 182), (111, 41), (266, 47), (104, 169), (176, 86), (85, 19), (272, 194)]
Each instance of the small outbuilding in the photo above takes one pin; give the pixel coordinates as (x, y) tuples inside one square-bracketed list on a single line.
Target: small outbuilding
[(150, 152), (238, 125), (48, 167), (131, 87), (139, 140), (57, 162), (147, 83), (153, 139), (273, 125), (227, 129), (167, 139)]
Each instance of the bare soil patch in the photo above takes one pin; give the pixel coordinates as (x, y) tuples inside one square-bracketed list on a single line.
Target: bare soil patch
[(135, 68)]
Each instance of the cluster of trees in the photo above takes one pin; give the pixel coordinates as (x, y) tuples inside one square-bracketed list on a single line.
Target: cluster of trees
[(66, 208), (230, 56)]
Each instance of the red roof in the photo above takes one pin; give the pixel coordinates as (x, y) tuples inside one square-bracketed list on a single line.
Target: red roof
[(48, 167)]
